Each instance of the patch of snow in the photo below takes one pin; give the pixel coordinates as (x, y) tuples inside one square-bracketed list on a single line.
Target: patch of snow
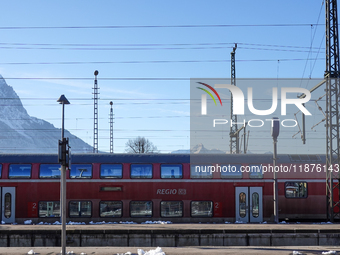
[(265, 222), (43, 223), (28, 222), (2, 222), (227, 222), (57, 223), (140, 252), (157, 222), (31, 252), (127, 222), (157, 251), (128, 253), (283, 222), (239, 222), (75, 223), (328, 252), (97, 223), (297, 253)]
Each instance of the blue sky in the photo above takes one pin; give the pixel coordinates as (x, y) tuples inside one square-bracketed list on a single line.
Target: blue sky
[(59, 32)]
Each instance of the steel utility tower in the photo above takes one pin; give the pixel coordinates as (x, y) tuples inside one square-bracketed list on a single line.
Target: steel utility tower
[(332, 112), (111, 128), (95, 118), (234, 146)]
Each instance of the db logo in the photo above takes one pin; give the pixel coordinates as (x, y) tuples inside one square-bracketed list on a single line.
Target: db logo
[(171, 191), (182, 191)]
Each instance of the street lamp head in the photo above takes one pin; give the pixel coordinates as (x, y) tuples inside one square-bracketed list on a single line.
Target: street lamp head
[(96, 72), (275, 127), (63, 100)]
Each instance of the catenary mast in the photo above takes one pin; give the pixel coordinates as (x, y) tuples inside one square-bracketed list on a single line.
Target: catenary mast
[(332, 112), (234, 146)]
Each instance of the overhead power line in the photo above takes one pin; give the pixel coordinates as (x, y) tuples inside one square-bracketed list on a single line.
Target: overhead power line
[(154, 61), (155, 26), (151, 44), (147, 48), (110, 78)]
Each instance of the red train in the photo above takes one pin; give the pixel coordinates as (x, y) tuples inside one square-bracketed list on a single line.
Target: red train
[(167, 187)]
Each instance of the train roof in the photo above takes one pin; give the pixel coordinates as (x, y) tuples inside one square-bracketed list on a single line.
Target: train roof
[(165, 158)]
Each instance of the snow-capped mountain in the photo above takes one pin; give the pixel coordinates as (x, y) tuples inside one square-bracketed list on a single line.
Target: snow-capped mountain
[(21, 133), (199, 149)]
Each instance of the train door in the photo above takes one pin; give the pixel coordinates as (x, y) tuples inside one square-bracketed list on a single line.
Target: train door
[(8, 204), (249, 204)]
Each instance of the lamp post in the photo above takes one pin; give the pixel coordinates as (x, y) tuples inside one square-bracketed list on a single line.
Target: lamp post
[(275, 134), (63, 160)]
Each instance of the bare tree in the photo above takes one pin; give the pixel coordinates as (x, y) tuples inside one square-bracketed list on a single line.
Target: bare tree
[(140, 145)]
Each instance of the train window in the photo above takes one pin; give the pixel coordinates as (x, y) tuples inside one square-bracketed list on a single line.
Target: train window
[(49, 209), (231, 171), (171, 209), (141, 171), (80, 208), (81, 171), (296, 190), (114, 171), (19, 171), (242, 205), (141, 209), (201, 171), (111, 208), (255, 171), (8, 205), (255, 203), (201, 209), (171, 171), (49, 171)]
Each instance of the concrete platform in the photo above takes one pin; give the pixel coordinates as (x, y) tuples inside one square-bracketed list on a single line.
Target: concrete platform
[(193, 226), (173, 251), (172, 235)]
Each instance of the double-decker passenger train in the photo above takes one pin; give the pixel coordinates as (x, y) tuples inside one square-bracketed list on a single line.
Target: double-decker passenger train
[(167, 187)]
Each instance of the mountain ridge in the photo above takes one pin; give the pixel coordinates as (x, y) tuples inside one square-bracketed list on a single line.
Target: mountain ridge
[(22, 133)]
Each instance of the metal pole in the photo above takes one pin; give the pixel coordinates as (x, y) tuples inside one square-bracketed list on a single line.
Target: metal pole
[(275, 187), (63, 207), (95, 117), (62, 121), (244, 140), (62, 157), (303, 127), (63, 192), (234, 137), (111, 128)]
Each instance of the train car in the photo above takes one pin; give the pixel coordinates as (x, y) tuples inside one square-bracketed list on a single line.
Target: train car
[(166, 187)]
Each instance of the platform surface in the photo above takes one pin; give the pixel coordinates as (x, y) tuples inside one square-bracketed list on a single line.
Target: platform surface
[(172, 251), (196, 226)]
